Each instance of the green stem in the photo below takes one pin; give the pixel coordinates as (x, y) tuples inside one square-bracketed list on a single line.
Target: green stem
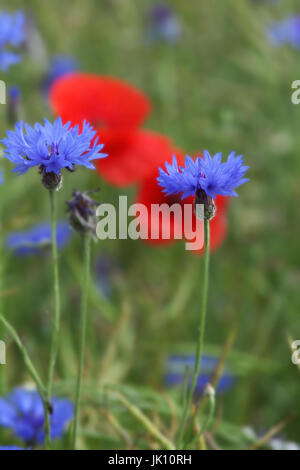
[(2, 379), (145, 421), (56, 320), (200, 338), (30, 367), (210, 394), (83, 323)]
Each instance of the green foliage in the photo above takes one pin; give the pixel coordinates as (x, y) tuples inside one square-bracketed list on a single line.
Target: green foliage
[(222, 87)]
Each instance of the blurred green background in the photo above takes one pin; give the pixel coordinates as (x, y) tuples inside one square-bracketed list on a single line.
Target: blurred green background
[(220, 86)]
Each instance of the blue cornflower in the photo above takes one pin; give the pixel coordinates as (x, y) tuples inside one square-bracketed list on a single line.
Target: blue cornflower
[(163, 24), (23, 412), (33, 241), (51, 147), (12, 33), (208, 174), (11, 448), (286, 31), (177, 364)]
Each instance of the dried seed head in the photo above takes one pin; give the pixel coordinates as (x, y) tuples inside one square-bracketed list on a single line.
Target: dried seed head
[(82, 212)]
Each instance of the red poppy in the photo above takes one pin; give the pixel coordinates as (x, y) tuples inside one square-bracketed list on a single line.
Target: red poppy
[(150, 193), (132, 155), (117, 110), (103, 101)]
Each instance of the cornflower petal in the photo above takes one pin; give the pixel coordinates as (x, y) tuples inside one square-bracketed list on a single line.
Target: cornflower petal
[(51, 147), (209, 174), (23, 412)]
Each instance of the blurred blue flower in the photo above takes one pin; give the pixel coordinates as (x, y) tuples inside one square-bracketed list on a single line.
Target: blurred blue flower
[(103, 274), (11, 448), (163, 24), (107, 269), (33, 241), (286, 31), (1, 177), (23, 412), (14, 104), (14, 93), (12, 33), (208, 174), (60, 65), (51, 147), (7, 59), (176, 366)]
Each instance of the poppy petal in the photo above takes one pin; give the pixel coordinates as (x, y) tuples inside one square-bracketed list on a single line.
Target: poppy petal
[(103, 101), (133, 156)]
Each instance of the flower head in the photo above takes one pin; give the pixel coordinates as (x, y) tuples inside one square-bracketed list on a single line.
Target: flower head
[(23, 412), (34, 240), (11, 448), (51, 147), (1, 177), (12, 33), (149, 193), (176, 366), (82, 212), (163, 24), (208, 174), (286, 31)]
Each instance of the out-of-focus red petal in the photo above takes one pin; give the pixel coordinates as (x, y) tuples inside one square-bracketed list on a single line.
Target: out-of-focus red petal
[(150, 193), (133, 155), (103, 101)]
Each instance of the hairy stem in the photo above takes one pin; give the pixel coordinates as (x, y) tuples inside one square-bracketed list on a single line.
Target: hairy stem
[(83, 323), (56, 318), (200, 338)]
